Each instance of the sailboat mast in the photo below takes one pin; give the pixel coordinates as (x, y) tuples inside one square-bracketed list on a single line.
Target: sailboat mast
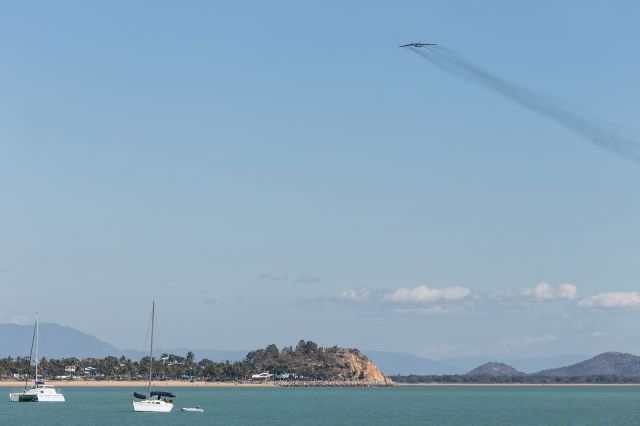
[(37, 345), (153, 314)]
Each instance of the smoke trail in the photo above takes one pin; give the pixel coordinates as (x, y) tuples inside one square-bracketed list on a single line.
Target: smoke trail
[(570, 118)]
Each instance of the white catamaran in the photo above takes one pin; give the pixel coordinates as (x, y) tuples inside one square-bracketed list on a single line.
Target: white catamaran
[(163, 403), (39, 392)]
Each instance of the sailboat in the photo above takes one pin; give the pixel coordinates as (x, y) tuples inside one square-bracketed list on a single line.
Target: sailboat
[(39, 392), (163, 402)]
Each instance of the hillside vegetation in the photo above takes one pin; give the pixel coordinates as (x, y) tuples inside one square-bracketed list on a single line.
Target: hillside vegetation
[(608, 363), (309, 360), (306, 361), (495, 369)]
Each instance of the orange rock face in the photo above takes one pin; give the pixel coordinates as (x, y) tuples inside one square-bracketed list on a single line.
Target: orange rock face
[(363, 368)]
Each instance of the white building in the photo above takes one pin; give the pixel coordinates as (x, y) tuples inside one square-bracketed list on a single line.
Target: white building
[(261, 376)]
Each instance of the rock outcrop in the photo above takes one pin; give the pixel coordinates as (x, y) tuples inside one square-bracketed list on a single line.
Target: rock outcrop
[(363, 368), (308, 361)]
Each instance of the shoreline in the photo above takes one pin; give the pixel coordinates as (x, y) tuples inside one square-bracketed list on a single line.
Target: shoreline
[(134, 384), (518, 385)]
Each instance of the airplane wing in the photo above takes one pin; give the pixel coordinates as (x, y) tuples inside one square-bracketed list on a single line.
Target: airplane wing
[(418, 45)]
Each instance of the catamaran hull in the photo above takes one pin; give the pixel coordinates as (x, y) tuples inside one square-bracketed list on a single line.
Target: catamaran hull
[(26, 397), (21, 397), (152, 406), (50, 398)]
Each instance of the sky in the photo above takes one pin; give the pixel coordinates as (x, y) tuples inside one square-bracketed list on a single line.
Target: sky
[(276, 171)]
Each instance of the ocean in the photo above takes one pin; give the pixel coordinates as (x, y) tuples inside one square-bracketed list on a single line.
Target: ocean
[(402, 405)]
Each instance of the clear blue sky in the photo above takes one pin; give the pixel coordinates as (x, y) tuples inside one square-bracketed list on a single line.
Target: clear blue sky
[(270, 171)]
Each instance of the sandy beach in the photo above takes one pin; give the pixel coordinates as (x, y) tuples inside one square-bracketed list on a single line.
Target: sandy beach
[(133, 384), (520, 385)]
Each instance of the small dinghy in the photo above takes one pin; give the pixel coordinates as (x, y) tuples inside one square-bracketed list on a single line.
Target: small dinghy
[(195, 409)]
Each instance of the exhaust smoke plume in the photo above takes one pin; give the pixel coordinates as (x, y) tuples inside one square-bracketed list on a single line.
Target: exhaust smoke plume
[(571, 118)]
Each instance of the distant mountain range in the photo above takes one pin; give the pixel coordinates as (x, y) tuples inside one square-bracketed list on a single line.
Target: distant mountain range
[(392, 363), (606, 364), (57, 341)]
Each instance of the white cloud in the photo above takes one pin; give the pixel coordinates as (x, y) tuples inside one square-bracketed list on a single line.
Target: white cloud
[(544, 291), (432, 310), (612, 300), (424, 294), (353, 294)]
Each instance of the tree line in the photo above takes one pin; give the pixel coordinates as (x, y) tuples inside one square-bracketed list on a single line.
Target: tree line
[(306, 360)]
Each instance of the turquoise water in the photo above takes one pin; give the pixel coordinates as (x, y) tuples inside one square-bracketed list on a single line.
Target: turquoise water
[(397, 406)]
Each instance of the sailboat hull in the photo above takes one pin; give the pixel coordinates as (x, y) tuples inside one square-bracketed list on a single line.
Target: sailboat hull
[(140, 402), (152, 406)]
